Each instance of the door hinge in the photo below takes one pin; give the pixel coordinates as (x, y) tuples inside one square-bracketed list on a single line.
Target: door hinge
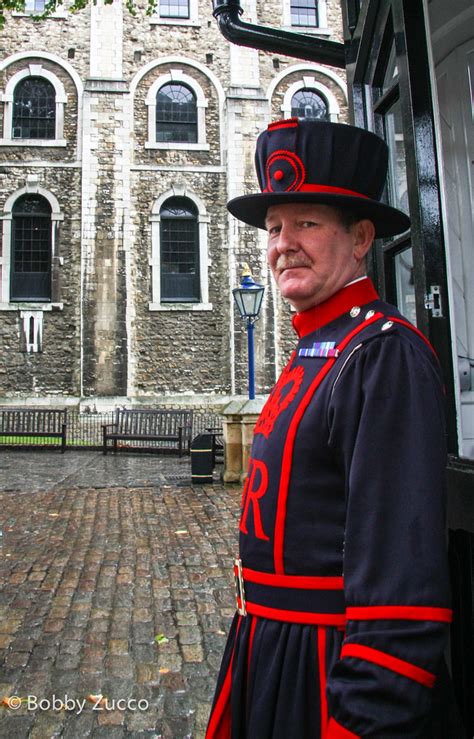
[(433, 301)]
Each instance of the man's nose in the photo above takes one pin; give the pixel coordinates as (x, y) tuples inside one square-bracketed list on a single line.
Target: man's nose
[(287, 240)]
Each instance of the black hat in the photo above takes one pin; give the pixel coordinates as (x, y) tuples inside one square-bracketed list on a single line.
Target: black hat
[(300, 161)]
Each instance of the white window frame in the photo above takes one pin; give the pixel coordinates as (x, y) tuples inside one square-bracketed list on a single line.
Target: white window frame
[(32, 187), (193, 19), (322, 18), (177, 75), (155, 261), (33, 70), (311, 83)]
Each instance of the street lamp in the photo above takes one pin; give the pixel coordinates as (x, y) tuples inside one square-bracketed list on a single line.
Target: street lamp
[(249, 301)]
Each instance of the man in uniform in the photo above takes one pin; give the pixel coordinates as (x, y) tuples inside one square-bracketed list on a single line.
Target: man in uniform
[(343, 602)]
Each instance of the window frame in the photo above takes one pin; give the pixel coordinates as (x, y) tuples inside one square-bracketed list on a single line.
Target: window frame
[(177, 75), (175, 17), (192, 20), (25, 246), (321, 28), (180, 125), (33, 70), (203, 220), (6, 303), (311, 83), (48, 86)]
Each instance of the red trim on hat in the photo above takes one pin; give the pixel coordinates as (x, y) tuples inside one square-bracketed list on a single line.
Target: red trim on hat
[(304, 582), (409, 613), (331, 190), (287, 123), (359, 293), (382, 659), (336, 731)]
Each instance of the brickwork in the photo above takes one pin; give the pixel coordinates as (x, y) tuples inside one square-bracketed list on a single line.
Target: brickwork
[(105, 333)]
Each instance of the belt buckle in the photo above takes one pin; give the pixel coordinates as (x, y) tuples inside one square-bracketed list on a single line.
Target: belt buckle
[(239, 588)]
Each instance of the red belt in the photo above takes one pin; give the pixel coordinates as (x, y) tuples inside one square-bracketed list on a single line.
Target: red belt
[(297, 599)]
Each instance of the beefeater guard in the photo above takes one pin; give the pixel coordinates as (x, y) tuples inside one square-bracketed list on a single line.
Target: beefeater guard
[(343, 604)]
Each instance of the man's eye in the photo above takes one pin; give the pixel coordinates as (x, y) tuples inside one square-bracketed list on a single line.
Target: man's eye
[(274, 230), (308, 224)]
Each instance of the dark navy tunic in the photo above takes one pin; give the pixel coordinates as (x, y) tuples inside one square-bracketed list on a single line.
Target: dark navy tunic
[(342, 538)]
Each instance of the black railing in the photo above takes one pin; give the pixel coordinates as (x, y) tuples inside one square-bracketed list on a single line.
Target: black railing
[(84, 431)]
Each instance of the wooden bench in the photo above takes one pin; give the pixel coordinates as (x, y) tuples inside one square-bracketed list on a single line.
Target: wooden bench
[(149, 424), (34, 423)]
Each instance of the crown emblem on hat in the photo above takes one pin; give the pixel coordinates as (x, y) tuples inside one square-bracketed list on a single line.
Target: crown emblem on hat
[(285, 172)]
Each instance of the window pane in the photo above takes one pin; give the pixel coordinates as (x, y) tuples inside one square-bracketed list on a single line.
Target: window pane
[(310, 105), (31, 249), (304, 13), (174, 8), (405, 284), (35, 6), (176, 114), (391, 73), (397, 164), (179, 251), (34, 109)]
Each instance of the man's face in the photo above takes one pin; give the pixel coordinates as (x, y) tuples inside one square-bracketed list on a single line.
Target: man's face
[(311, 254)]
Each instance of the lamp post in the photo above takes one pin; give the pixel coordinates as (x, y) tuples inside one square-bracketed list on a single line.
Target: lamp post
[(248, 297)]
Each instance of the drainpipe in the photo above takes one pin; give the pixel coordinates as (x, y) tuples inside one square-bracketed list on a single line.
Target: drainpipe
[(300, 45)]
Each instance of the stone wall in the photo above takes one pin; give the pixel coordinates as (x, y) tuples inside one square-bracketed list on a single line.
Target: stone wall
[(104, 335)]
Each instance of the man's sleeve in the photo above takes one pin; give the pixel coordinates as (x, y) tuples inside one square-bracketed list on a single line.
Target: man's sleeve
[(386, 421)]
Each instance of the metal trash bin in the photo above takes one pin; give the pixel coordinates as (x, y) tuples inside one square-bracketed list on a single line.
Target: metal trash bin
[(202, 459)]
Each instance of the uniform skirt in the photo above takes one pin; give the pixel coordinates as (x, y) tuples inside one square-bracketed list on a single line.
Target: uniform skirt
[(272, 685), (272, 681)]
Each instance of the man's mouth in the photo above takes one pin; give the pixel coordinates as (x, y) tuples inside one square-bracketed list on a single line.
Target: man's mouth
[(285, 263)]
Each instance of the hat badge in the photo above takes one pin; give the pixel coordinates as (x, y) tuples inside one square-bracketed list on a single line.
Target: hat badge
[(285, 172)]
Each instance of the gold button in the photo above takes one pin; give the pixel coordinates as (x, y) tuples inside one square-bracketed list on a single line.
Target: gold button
[(387, 325), (355, 311), (369, 314)]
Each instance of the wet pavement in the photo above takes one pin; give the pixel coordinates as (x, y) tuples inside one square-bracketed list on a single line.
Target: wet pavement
[(116, 594)]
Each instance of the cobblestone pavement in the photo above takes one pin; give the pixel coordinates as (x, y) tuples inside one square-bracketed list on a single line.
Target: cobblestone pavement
[(115, 581)]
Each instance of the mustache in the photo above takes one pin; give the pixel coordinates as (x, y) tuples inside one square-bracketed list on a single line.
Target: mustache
[(289, 261)]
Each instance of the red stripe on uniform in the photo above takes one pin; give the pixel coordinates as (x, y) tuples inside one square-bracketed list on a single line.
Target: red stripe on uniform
[(305, 582), (382, 659), (322, 678), (408, 613), (296, 617), (413, 328), (220, 722), (290, 443), (336, 731)]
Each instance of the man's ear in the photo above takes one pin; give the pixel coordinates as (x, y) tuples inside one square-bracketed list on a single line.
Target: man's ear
[(364, 234)]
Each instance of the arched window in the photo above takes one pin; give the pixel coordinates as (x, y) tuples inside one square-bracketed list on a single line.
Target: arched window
[(30, 273), (309, 104), (34, 109), (176, 114), (179, 251)]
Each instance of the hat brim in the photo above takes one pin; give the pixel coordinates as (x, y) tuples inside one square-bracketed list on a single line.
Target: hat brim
[(252, 209)]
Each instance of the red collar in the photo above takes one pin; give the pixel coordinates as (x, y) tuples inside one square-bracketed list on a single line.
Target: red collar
[(359, 293)]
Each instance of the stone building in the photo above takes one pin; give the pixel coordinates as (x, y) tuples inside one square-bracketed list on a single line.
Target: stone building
[(122, 138)]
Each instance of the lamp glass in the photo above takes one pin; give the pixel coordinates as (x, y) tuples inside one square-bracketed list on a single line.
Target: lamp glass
[(249, 300)]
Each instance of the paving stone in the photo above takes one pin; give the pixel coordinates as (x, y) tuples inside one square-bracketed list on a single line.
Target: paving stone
[(94, 585)]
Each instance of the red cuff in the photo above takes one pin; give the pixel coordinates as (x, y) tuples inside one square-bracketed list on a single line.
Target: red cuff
[(336, 731)]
